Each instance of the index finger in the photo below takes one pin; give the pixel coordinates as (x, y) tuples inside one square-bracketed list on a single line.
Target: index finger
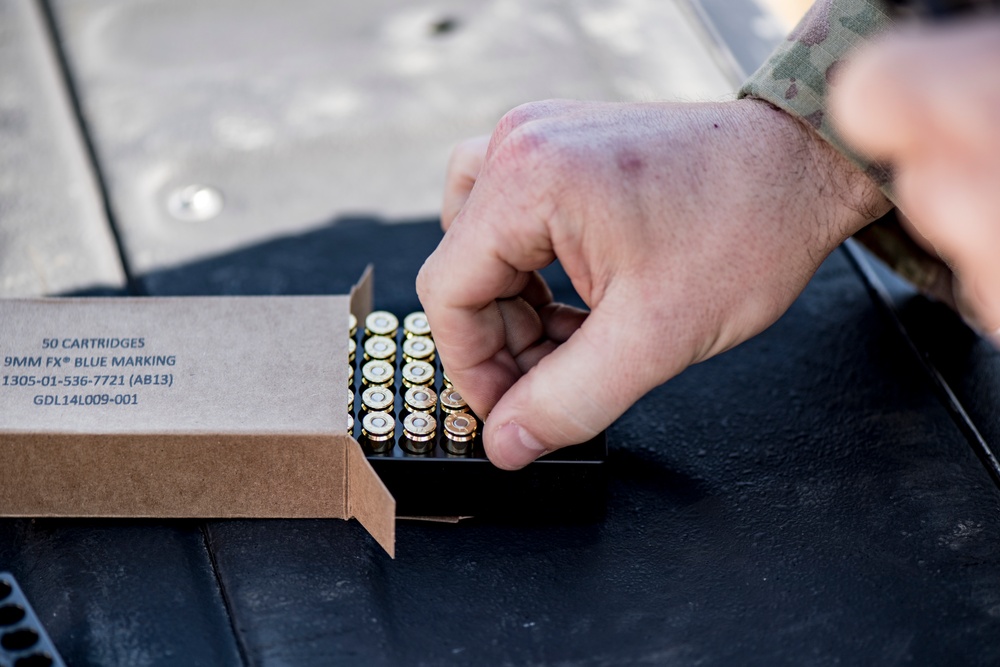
[(463, 169), (488, 254)]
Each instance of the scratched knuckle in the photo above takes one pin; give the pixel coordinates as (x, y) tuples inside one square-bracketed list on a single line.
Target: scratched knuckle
[(525, 148), (538, 159)]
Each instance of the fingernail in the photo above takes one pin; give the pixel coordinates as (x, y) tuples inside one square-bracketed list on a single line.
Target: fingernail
[(514, 447)]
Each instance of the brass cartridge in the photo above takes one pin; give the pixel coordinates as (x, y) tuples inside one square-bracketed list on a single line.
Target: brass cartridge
[(418, 348), (415, 324), (377, 373), (381, 323), (418, 373), (418, 432), (380, 347), (419, 426), (419, 399), (460, 432), (460, 426), (378, 426), (376, 399), (452, 401)]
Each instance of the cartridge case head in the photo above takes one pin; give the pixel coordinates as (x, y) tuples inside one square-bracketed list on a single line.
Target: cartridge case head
[(460, 426), (418, 348), (420, 399), (415, 324), (378, 426), (381, 323), (380, 347), (417, 373), (452, 401), (377, 373), (419, 426), (376, 399)]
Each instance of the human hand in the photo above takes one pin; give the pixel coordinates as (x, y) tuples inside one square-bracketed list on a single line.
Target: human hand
[(928, 102), (686, 229)]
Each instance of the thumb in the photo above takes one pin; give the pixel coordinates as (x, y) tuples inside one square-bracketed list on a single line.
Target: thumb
[(572, 394)]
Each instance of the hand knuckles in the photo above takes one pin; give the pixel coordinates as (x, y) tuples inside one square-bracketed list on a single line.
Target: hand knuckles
[(543, 146), (537, 163), (525, 149), (526, 113)]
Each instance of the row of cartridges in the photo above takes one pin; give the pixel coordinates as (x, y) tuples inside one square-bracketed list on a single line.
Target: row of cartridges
[(426, 406)]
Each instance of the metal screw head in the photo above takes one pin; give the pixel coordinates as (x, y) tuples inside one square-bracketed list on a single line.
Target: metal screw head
[(195, 203)]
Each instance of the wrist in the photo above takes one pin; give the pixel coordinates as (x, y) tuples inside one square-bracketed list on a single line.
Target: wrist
[(839, 198)]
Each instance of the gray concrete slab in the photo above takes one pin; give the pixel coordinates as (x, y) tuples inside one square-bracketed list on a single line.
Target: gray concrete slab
[(54, 236), (300, 113)]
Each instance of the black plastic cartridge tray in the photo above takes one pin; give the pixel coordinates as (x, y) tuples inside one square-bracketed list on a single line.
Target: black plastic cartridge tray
[(23, 640), (569, 483)]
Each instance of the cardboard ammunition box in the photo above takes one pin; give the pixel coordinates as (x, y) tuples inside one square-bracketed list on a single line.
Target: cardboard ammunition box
[(195, 407)]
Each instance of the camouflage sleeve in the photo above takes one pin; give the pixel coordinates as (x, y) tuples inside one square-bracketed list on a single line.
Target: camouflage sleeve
[(795, 78)]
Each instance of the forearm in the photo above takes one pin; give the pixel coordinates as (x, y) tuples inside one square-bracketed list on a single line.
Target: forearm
[(798, 77), (819, 184)]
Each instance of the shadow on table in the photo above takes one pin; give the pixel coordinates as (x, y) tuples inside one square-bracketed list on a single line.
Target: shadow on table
[(803, 494)]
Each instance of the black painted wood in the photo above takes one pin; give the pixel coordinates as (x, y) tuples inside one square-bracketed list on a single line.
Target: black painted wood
[(803, 499), (115, 592), (964, 366)]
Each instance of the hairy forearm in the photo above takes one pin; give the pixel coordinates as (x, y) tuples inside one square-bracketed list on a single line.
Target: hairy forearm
[(826, 189)]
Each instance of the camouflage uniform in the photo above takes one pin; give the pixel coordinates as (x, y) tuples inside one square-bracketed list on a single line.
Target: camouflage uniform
[(795, 78)]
